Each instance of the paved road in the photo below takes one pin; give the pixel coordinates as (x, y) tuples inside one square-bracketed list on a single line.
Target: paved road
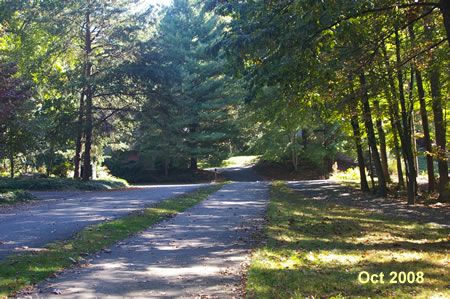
[(194, 254), (61, 214), (240, 174), (327, 190)]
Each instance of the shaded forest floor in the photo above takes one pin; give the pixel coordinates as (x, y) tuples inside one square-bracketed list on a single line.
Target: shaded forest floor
[(280, 172)]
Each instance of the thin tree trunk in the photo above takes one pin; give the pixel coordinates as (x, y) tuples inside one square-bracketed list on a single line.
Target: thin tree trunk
[(398, 156), (439, 126), (166, 168), (426, 131), (382, 138), (394, 111), (79, 143), (11, 162), (294, 152), (88, 132), (50, 159), (382, 188), (412, 124), (406, 129), (374, 187), (358, 143)]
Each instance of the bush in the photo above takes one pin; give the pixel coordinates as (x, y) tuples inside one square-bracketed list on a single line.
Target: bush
[(62, 169)]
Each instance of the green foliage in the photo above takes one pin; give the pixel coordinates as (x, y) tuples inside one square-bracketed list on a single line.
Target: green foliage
[(192, 116), (62, 169)]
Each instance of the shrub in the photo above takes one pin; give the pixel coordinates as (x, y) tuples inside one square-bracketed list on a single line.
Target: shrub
[(62, 169)]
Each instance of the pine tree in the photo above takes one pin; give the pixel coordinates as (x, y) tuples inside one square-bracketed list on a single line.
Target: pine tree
[(192, 117)]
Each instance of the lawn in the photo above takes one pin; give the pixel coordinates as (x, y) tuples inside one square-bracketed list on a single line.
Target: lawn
[(321, 249), (13, 197), (53, 184), (23, 270), (231, 162)]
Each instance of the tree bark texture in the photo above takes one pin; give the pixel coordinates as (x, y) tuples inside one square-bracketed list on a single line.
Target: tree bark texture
[(361, 163), (78, 142), (88, 129), (406, 143), (382, 138), (382, 188), (439, 126), (426, 131)]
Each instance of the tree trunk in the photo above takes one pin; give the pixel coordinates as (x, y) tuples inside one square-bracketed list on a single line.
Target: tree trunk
[(444, 7), (294, 155), (166, 168), (371, 171), (426, 131), (11, 162), (88, 73), (194, 164), (79, 144), (382, 188), (394, 111), (439, 126), (50, 159), (406, 143), (398, 156), (382, 138), (358, 143)]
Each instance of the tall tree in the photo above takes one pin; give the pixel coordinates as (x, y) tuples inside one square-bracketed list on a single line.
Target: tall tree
[(198, 96)]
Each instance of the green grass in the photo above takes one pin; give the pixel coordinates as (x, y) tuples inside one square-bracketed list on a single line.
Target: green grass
[(319, 249), (9, 184), (13, 197), (231, 162), (23, 270)]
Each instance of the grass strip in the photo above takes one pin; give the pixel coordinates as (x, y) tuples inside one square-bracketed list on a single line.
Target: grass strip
[(21, 271), (14, 197), (11, 184), (318, 250)]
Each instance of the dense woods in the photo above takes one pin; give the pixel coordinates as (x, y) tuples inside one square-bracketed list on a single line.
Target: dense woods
[(147, 91)]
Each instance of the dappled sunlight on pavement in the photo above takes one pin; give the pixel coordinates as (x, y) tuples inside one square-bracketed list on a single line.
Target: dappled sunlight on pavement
[(197, 252), (62, 214)]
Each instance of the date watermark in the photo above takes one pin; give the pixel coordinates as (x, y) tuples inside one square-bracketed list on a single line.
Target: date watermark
[(392, 278)]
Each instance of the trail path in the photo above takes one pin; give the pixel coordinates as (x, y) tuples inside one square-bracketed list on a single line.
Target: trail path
[(327, 190), (196, 253), (60, 214)]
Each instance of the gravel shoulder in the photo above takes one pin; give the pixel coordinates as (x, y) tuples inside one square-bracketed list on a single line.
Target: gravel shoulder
[(194, 254), (329, 191), (61, 214)]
